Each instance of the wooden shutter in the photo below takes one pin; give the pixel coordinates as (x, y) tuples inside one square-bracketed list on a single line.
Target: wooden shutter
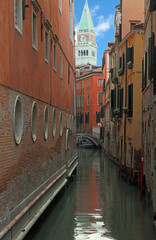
[(145, 66), (112, 98), (123, 61), (143, 77), (152, 5), (130, 100)]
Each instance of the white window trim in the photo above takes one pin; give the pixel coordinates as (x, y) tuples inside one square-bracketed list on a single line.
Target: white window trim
[(60, 6), (54, 56), (99, 93), (35, 44), (18, 120), (101, 84), (17, 27), (46, 57)]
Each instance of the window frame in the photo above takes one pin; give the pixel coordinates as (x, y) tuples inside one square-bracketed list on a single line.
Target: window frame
[(61, 65), (100, 82), (35, 43), (18, 22), (60, 6), (98, 95), (46, 45), (54, 56)]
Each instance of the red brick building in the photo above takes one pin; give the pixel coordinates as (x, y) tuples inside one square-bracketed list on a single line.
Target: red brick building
[(37, 115), (89, 98)]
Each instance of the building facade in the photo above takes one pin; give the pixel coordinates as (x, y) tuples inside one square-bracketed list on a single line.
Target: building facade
[(38, 130), (85, 46), (130, 95), (89, 99), (149, 101)]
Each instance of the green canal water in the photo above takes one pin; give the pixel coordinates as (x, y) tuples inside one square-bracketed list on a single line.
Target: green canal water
[(95, 206)]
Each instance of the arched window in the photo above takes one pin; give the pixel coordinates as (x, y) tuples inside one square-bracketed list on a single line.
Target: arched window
[(81, 53), (99, 96), (86, 52)]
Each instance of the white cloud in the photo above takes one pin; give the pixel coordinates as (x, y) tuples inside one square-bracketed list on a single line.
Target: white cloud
[(103, 25), (94, 10)]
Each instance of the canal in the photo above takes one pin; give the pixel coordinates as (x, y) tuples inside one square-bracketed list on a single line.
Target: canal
[(96, 205)]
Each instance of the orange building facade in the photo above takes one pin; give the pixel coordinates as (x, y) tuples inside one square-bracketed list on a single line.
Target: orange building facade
[(37, 123), (89, 98)]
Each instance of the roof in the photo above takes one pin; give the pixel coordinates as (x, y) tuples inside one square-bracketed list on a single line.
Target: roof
[(86, 23)]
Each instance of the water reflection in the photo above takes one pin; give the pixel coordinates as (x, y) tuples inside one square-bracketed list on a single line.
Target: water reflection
[(97, 206)]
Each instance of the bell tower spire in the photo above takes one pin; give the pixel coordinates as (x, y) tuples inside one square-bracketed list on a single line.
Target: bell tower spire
[(85, 47)]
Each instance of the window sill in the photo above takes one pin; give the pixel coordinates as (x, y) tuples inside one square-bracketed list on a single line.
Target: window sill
[(54, 69), (129, 118), (35, 47), (46, 60), (19, 31)]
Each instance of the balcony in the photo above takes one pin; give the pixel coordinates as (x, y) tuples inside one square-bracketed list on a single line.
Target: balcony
[(130, 65), (121, 71)]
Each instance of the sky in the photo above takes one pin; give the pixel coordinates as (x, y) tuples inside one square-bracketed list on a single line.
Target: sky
[(102, 13)]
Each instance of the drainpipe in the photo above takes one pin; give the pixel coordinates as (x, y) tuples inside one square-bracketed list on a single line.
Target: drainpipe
[(125, 119)]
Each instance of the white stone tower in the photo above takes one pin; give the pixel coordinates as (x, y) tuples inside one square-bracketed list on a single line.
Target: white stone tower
[(85, 46)]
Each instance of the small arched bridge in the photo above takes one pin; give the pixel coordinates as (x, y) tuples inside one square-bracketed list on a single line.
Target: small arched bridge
[(89, 137)]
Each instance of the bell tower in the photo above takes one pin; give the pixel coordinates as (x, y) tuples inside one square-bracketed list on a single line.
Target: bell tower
[(85, 46)]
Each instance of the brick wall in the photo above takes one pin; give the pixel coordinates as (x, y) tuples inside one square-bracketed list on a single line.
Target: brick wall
[(26, 168)]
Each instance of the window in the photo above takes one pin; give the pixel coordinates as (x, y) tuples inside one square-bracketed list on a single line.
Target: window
[(54, 56), (130, 54), (46, 45), (100, 82), (34, 121), (60, 6), (54, 122), (152, 5), (46, 123), (79, 53), (88, 83), (122, 64), (100, 94), (34, 30), (98, 116), (70, 20), (87, 118), (78, 86), (18, 120), (86, 52), (82, 85), (144, 71), (79, 105), (120, 102), (88, 99), (82, 100), (18, 15), (61, 128), (61, 65), (130, 101)]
